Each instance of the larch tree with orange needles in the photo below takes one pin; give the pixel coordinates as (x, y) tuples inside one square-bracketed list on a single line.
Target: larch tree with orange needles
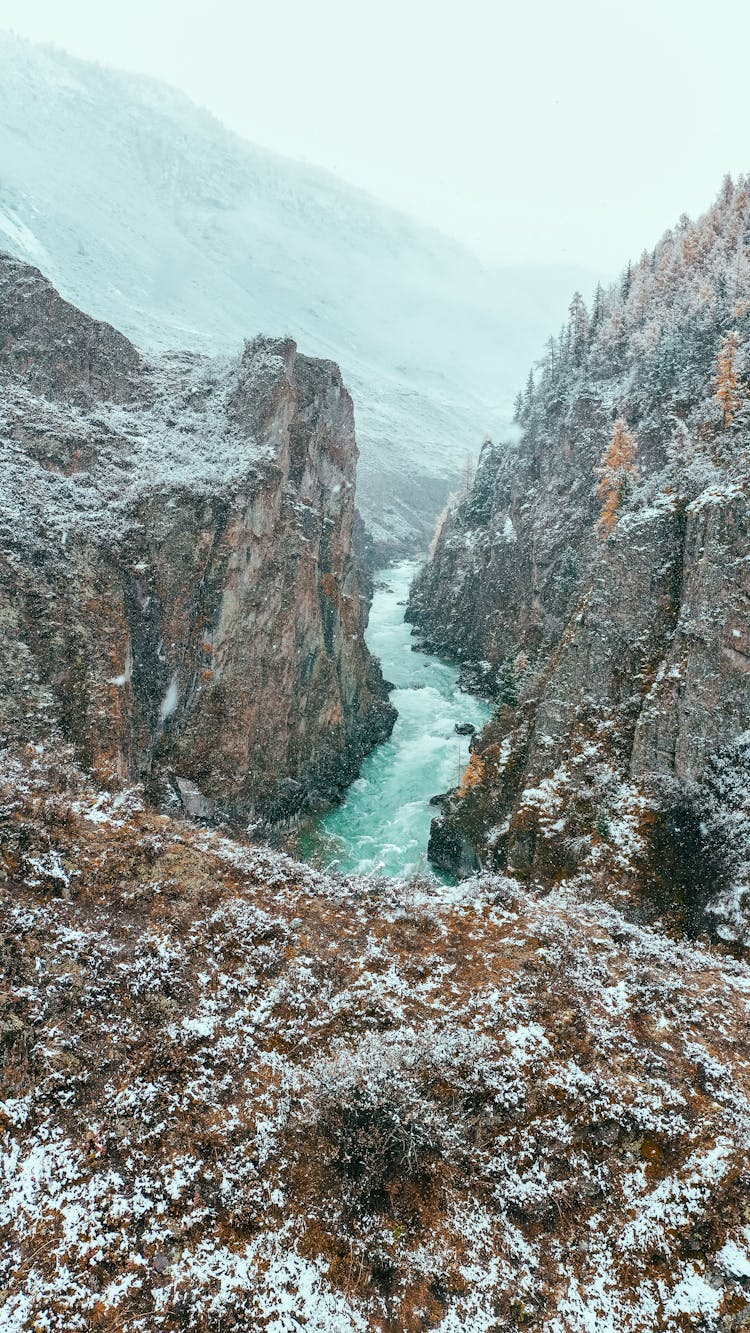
[(728, 390), (618, 470)]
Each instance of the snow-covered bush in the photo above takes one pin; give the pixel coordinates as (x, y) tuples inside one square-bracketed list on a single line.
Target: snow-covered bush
[(392, 1112)]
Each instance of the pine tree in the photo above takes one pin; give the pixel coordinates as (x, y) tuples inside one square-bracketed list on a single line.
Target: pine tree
[(728, 394), (578, 327), (596, 312), (508, 683), (618, 471), (563, 343), (466, 482), (727, 189)]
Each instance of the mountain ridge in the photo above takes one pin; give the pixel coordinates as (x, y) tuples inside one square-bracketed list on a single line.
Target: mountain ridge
[(181, 233)]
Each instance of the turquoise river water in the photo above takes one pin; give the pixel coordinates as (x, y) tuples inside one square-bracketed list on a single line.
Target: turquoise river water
[(383, 824)]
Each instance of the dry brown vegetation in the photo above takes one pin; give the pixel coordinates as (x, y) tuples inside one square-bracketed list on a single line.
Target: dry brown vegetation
[(240, 1094)]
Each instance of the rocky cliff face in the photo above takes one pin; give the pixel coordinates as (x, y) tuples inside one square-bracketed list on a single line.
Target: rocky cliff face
[(177, 587), (615, 641)]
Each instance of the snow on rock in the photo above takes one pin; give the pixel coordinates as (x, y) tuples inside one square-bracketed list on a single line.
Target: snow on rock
[(617, 638), (179, 590)]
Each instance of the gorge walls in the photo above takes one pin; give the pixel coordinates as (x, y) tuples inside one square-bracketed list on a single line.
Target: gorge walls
[(177, 586), (595, 582)]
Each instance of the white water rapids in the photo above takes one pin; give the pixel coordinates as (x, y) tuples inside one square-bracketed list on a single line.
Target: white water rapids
[(383, 824)]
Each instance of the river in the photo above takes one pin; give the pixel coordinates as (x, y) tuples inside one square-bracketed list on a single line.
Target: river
[(383, 824)]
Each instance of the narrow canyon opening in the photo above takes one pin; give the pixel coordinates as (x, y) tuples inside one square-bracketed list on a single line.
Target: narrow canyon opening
[(383, 824)]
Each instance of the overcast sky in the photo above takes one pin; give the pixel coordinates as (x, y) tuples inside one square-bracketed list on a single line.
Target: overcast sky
[(572, 132)]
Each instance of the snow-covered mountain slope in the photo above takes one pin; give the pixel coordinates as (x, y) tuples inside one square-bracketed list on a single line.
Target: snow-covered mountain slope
[(146, 212)]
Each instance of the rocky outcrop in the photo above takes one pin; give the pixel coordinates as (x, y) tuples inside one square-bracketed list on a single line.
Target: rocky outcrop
[(57, 350), (700, 695), (617, 654), (177, 586)]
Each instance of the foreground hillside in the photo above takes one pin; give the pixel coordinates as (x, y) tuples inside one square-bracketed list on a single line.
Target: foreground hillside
[(240, 1094), (596, 580), (179, 594), (146, 212)]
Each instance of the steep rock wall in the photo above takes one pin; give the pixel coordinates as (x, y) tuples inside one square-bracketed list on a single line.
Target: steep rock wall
[(176, 574), (618, 658)]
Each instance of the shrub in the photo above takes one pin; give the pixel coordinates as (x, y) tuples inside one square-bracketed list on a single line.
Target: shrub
[(602, 825), (392, 1114)]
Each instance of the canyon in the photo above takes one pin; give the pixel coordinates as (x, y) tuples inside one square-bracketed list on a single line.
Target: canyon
[(239, 1091)]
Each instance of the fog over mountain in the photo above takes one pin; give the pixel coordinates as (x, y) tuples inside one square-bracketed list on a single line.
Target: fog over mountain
[(146, 212)]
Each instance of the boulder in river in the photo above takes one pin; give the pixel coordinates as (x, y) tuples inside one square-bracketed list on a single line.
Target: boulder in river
[(440, 798)]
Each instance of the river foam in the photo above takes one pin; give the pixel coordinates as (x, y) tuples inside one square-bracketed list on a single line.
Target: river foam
[(383, 825)]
